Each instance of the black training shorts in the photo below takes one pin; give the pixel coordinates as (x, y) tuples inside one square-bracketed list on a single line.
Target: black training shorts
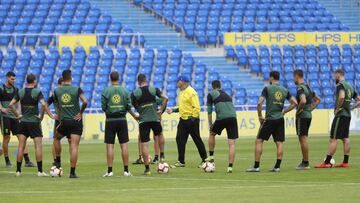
[(145, 128), (231, 126), (340, 127), (117, 128), (10, 125), (274, 128), (70, 127), (31, 129), (303, 126)]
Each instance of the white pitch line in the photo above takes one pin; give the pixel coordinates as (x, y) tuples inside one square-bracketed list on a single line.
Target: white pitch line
[(140, 177), (165, 189), (237, 180)]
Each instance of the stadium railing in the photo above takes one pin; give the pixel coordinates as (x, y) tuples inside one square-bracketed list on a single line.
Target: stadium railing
[(164, 40)]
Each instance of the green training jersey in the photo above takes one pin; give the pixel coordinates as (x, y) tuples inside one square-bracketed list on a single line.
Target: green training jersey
[(115, 102), (224, 107), (67, 98), (29, 100), (304, 89), (350, 94), (6, 95), (144, 100), (275, 96)]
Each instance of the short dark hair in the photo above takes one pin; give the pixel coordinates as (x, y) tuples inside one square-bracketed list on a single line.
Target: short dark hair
[(340, 71), (275, 75), (299, 73), (216, 84), (10, 74), (60, 80), (114, 76), (66, 75), (141, 78), (30, 78)]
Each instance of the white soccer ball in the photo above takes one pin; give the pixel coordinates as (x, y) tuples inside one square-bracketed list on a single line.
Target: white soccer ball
[(163, 168), (332, 162), (56, 172), (208, 167)]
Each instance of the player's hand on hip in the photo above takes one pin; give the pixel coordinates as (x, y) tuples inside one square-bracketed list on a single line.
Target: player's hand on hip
[(261, 120), (169, 111), (78, 117), (5, 110), (40, 117)]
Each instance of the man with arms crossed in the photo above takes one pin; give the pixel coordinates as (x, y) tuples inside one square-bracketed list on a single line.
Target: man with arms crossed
[(30, 125), (225, 119), (144, 100), (273, 124), (345, 93), (307, 102), (67, 97), (115, 102)]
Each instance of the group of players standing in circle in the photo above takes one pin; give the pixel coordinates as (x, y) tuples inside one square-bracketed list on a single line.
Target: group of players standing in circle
[(21, 116)]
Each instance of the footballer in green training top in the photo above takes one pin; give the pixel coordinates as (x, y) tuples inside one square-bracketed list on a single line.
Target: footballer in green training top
[(144, 100), (225, 119), (273, 124), (9, 124), (307, 102), (340, 127), (140, 160), (67, 97), (115, 102), (30, 125)]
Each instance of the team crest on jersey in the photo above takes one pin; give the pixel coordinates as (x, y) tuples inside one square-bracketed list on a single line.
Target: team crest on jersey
[(278, 96), (66, 98), (116, 99)]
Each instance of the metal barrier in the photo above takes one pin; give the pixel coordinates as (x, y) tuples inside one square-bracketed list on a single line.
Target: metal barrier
[(153, 40)]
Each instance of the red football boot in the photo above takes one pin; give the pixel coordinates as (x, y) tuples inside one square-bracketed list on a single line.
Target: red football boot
[(323, 165), (343, 165)]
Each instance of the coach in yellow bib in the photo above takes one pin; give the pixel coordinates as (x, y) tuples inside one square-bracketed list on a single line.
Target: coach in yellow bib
[(189, 110)]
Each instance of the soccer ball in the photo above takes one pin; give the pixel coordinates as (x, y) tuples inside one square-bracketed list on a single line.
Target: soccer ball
[(56, 172), (163, 168), (208, 167), (332, 162)]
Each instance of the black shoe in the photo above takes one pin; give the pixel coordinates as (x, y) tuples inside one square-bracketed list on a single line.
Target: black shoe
[(8, 164), (155, 161), (29, 164), (73, 176), (138, 161)]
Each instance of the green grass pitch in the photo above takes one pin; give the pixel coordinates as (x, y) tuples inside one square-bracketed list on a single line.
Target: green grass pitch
[(190, 184)]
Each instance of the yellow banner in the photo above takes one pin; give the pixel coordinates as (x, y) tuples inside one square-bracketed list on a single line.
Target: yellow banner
[(74, 41), (291, 38), (94, 125)]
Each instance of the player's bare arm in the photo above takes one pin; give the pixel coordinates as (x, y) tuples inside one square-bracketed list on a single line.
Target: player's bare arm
[(301, 105), (3, 110), (165, 100), (172, 110), (83, 99), (356, 104), (13, 108), (259, 109), (316, 102), (293, 104), (340, 102), (45, 108)]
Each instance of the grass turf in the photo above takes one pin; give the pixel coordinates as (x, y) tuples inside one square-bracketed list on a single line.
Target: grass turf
[(190, 184)]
